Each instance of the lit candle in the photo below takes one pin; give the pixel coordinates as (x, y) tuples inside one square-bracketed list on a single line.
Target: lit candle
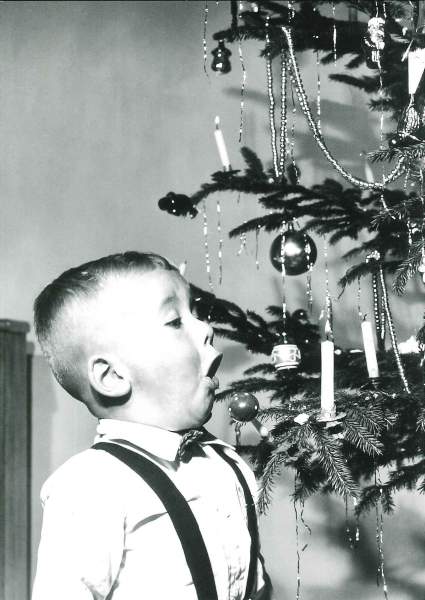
[(369, 348), (221, 146), (327, 380)]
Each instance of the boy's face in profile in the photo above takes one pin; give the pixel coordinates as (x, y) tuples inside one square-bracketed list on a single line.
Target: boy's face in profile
[(165, 350)]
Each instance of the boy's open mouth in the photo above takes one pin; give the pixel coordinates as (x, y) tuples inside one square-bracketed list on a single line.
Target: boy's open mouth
[(212, 369)]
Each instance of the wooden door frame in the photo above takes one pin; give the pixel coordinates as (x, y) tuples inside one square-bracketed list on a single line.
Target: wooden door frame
[(15, 460)]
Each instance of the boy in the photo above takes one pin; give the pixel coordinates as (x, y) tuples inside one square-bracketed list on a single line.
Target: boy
[(134, 516)]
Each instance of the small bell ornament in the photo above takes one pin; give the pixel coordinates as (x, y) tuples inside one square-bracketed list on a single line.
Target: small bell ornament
[(243, 407), (374, 42), (221, 63), (285, 356), (298, 252)]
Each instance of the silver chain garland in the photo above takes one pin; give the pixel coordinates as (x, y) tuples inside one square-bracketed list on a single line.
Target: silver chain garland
[(220, 243), (283, 274), (297, 541), (242, 96), (302, 98), (269, 71), (283, 111), (204, 37), (206, 245), (380, 539), (380, 334), (391, 329)]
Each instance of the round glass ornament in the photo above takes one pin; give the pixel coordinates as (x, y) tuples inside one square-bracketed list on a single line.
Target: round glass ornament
[(243, 407), (299, 252)]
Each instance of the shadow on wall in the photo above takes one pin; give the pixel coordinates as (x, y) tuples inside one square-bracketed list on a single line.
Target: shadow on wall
[(61, 427), (344, 141), (329, 568)]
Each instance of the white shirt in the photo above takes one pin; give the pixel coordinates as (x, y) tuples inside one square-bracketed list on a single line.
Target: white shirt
[(106, 535)]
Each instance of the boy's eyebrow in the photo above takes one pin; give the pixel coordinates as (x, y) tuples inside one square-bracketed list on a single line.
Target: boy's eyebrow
[(174, 298), (171, 299)]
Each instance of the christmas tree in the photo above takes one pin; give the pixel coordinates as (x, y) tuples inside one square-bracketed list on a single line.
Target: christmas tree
[(335, 433)]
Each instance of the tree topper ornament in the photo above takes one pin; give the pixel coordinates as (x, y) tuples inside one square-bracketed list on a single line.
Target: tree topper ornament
[(374, 42)]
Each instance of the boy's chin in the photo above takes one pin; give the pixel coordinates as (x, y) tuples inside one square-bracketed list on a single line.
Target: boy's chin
[(207, 417), (197, 423)]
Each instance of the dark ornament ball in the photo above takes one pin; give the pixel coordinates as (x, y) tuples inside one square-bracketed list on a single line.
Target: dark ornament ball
[(243, 407), (178, 205), (300, 315), (402, 140), (300, 252)]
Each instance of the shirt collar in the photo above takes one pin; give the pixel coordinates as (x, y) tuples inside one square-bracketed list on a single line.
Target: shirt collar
[(159, 442)]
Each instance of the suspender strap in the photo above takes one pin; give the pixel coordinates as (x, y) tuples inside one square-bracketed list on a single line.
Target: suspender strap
[(252, 521), (180, 514)]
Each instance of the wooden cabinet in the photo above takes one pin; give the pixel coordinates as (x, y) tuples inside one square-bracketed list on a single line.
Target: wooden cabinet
[(15, 444)]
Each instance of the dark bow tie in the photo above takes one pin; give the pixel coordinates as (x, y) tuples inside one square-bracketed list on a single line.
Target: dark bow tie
[(189, 444)]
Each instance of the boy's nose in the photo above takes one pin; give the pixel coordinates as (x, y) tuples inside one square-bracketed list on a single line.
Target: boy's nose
[(209, 337)]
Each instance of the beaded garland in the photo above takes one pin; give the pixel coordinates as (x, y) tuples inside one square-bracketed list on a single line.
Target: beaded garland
[(302, 98)]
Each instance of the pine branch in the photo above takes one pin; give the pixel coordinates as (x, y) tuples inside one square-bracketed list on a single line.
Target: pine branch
[(368, 84), (421, 486), (408, 267), (415, 151), (361, 437), (421, 421), (270, 222), (374, 419), (405, 478), (254, 385), (310, 479), (332, 460), (265, 368), (373, 495), (354, 272), (271, 471), (255, 167)]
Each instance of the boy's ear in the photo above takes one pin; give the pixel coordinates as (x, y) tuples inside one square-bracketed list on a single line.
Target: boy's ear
[(108, 377)]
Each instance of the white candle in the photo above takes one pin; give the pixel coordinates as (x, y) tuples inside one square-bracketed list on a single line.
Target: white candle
[(221, 146), (369, 348), (415, 68), (368, 172), (327, 380)]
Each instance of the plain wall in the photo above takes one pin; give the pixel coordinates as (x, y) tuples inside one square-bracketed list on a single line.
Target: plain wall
[(105, 107)]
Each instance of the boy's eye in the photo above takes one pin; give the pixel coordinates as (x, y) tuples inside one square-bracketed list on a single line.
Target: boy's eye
[(200, 310), (176, 323)]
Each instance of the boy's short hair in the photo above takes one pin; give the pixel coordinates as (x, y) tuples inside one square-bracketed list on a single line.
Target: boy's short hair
[(73, 286)]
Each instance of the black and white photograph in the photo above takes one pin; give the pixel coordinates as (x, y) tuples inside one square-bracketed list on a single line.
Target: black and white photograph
[(212, 300)]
